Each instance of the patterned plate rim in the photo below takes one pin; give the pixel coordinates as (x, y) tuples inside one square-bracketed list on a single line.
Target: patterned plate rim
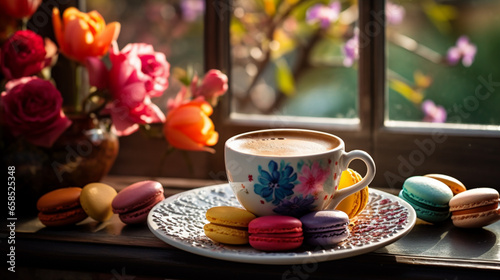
[(363, 227)]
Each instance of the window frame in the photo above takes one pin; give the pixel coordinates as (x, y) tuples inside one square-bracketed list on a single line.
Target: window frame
[(399, 152), (217, 55)]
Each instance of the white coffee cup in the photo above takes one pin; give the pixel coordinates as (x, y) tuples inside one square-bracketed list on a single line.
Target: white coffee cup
[(290, 171)]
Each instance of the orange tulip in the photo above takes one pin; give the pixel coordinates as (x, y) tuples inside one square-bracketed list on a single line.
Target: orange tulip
[(188, 127), (81, 35)]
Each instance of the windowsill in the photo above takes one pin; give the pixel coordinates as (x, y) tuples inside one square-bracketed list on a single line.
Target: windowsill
[(347, 124), (443, 128), (111, 247)]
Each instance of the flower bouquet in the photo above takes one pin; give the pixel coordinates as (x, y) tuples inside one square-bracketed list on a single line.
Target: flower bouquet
[(63, 132)]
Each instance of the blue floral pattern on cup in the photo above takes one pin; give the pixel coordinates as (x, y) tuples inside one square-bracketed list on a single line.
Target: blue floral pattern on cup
[(297, 206), (277, 183)]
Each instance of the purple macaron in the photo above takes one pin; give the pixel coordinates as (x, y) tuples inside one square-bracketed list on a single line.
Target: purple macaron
[(133, 203), (325, 228)]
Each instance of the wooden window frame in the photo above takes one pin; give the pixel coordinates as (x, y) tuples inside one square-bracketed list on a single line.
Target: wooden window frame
[(469, 153), (400, 149)]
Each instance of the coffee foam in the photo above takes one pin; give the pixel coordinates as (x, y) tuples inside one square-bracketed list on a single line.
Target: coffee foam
[(284, 144)]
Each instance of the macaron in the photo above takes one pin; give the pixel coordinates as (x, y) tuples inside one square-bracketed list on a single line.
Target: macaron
[(429, 197), (275, 233), (455, 185), (133, 203), (228, 224), (61, 207), (325, 228), (96, 201), (356, 202), (475, 208)]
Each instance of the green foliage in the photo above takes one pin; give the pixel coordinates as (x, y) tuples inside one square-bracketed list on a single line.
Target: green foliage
[(453, 87), (325, 92), (284, 78)]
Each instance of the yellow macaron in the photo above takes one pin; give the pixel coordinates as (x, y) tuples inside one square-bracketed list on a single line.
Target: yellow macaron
[(228, 224), (455, 185), (356, 202), (96, 201)]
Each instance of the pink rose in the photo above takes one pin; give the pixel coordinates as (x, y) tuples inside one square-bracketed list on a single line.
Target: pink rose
[(32, 109), (23, 54), (214, 84), (137, 74), (153, 66)]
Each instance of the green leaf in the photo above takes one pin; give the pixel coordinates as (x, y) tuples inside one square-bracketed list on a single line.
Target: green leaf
[(181, 75), (441, 15), (283, 42), (284, 78), (406, 91), (237, 29)]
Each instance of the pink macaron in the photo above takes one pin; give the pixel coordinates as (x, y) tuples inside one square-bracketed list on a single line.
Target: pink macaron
[(133, 203), (275, 233)]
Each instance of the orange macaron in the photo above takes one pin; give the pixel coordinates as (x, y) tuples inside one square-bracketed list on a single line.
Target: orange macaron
[(61, 207), (454, 184)]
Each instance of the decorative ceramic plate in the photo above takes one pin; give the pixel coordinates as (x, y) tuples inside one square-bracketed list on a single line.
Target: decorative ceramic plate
[(178, 220)]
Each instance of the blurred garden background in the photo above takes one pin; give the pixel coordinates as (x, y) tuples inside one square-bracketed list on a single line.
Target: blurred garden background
[(461, 90), (299, 57)]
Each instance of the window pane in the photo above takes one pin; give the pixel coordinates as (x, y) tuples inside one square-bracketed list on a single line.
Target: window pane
[(294, 58), (443, 61), (173, 27)]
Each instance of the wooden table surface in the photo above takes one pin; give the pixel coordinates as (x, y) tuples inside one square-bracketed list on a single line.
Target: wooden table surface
[(113, 250)]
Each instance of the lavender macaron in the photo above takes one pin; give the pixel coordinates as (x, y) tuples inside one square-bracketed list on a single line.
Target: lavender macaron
[(325, 228)]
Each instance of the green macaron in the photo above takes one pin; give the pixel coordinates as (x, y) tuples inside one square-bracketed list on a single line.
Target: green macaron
[(429, 197)]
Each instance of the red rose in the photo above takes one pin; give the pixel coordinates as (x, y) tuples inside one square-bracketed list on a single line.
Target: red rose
[(19, 8), (32, 110), (23, 54)]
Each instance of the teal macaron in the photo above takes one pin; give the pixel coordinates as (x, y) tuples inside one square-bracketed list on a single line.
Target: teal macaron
[(429, 197)]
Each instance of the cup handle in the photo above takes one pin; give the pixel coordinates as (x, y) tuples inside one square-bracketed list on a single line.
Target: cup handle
[(345, 159)]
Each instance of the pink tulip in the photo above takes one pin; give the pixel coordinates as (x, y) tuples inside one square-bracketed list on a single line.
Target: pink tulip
[(214, 84)]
